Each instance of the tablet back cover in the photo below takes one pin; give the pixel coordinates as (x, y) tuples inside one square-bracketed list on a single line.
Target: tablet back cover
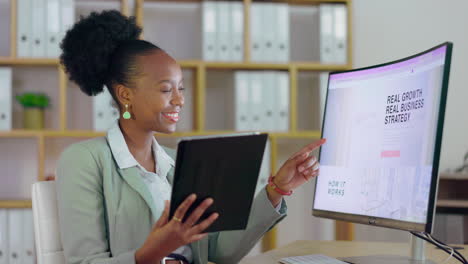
[(225, 169)]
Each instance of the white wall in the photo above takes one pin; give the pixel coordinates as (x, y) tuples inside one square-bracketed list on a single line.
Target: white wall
[(388, 30)]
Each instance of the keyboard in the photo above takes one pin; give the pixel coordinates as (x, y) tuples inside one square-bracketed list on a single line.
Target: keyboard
[(311, 259)]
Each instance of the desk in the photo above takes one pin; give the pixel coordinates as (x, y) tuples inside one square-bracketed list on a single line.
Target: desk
[(347, 249)]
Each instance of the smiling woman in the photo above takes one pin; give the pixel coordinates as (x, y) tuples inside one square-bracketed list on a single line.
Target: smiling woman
[(113, 191)]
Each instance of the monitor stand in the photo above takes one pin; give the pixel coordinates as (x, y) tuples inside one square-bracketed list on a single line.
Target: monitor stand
[(417, 256)]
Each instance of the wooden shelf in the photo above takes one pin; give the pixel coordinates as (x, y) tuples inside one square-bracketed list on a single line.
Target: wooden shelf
[(452, 203), (308, 2), (20, 134), (283, 1), (92, 134), (7, 61), (193, 64), (454, 176), (302, 66), (15, 204)]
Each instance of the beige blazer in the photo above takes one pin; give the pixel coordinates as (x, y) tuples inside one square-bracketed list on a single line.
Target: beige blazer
[(106, 213)]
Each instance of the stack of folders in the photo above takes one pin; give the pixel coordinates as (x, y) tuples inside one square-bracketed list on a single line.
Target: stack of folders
[(5, 98), (261, 101), (333, 33), (269, 32), (333, 42), (42, 25), (450, 228), (223, 27), (104, 111), (17, 236)]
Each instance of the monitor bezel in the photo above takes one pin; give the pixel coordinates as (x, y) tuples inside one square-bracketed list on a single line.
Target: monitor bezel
[(392, 223)]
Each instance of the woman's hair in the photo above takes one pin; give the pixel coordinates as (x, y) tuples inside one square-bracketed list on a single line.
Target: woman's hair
[(101, 49)]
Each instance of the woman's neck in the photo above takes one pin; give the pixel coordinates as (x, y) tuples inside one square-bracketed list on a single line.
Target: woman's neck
[(139, 142)]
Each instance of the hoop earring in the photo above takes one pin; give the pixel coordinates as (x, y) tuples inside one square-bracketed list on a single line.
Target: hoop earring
[(126, 114)]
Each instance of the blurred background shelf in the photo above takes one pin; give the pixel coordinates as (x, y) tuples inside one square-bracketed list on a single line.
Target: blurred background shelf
[(10, 61), (15, 204), (32, 154)]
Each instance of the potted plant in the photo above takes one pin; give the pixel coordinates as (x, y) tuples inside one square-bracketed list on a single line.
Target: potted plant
[(34, 105)]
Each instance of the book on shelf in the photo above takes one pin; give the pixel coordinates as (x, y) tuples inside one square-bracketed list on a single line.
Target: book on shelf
[(104, 112), (261, 101), (333, 33), (4, 241), (222, 30), (41, 26), (20, 233), (6, 99), (269, 32)]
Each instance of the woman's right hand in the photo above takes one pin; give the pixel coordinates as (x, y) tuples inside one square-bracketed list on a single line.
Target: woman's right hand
[(168, 235)]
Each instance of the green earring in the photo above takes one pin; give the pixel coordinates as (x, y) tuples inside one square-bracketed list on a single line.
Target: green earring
[(126, 114)]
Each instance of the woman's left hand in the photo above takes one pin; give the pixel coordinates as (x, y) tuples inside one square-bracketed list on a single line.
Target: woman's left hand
[(297, 170)]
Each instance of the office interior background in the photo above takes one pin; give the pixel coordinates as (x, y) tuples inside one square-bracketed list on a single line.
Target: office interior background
[(365, 32)]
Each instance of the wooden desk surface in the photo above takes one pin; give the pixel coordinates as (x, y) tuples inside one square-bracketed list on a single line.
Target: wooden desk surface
[(347, 249)]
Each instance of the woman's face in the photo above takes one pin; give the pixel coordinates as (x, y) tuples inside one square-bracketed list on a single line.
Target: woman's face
[(159, 95)]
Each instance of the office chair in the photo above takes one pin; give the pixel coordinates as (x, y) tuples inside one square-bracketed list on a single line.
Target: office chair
[(46, 225)]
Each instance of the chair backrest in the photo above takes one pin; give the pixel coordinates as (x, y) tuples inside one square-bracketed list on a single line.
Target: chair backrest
[(46, 224)]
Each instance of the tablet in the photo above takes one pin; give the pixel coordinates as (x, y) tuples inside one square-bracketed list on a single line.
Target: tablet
[(223, 167)]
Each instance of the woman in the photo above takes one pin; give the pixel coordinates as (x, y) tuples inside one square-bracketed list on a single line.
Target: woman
[(113, 191)]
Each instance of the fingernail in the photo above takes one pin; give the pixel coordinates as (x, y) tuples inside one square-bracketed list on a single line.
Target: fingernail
[(301, 168), (193, 196)]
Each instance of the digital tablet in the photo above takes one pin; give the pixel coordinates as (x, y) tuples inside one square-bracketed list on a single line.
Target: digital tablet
[(223, 167)]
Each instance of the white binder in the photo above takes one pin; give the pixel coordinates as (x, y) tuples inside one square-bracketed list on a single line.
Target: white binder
[(103, 111), (24, 28), (53, 28), (38, 29), (340, 33), (5, 98), (223, 38), (236, 12), (268, 101), (241, 101), (282, 93), (15, 221), (67, 17), (281, 47), (4, 241), (326, 33), (256, 100), (256, 34), (210, 46), (323, 94), (28, 250), (269, 31)]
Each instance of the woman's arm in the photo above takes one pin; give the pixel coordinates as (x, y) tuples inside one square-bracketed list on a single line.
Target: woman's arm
[(81, 209), (231, 246)]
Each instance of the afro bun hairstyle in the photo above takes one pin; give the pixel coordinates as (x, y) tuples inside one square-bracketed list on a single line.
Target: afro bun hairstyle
[(92, 47)]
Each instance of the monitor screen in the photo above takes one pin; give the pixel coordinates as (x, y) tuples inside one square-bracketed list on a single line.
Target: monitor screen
[(383, 126)]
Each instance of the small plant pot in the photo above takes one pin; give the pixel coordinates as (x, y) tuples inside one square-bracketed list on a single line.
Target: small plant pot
[(33, 118)]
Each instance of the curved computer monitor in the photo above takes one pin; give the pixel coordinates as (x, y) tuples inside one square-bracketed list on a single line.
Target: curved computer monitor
[(383, 126)]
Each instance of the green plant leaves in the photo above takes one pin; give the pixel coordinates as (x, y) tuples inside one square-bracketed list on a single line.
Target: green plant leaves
[(30, 99)]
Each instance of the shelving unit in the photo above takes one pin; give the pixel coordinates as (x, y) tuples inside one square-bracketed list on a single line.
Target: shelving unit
[(199, 72), (452, 196)]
